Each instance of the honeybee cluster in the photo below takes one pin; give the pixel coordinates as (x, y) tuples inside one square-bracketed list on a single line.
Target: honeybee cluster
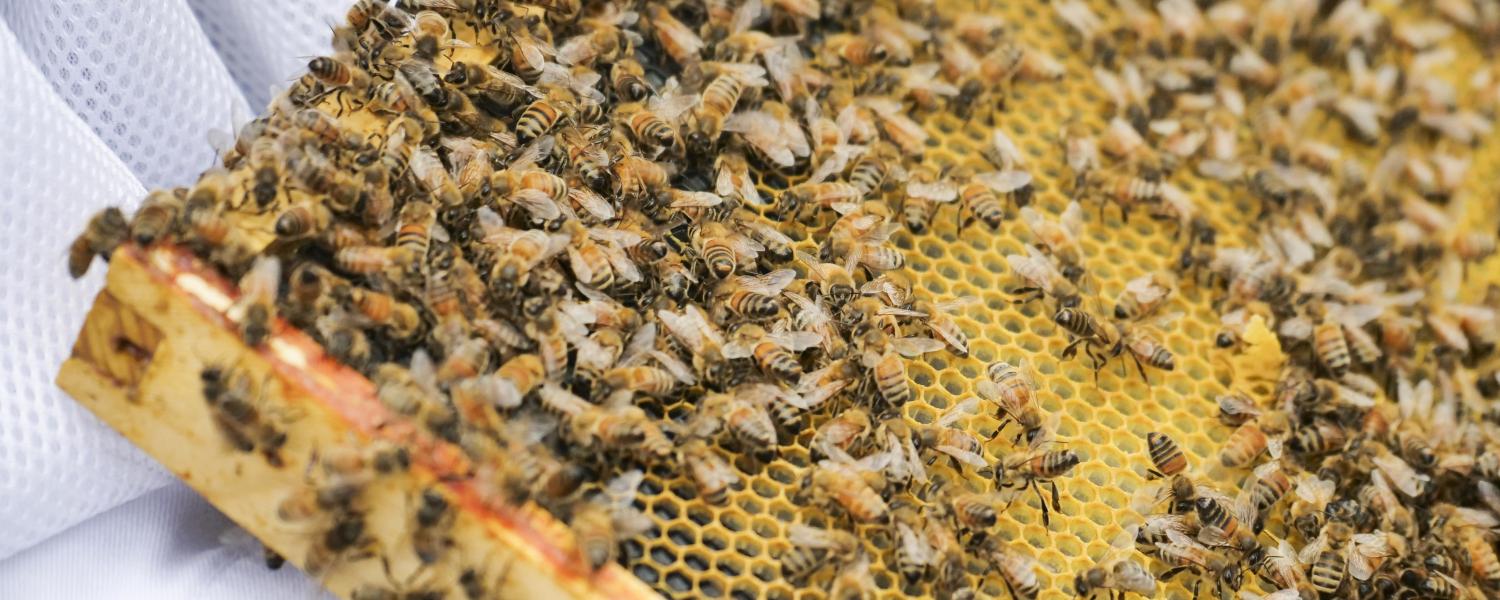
[(587, 243), (1370, 461), (534, 225)]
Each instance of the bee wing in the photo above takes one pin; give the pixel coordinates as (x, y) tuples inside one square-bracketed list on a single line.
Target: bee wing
[(737, 349), (1309, 553), (623, 487), (676, 367), (804, 536), (537, 203), (765, 230), (1405, 479), (796, 341), (900, 312), (263, 281), (1006, 181), (670, 107), (815, 395), (957, 303), (912, 347), (958, 411), (1072, 217), (685, 199), (1006, 150), (1366, 552), (913, 461), (769, 284), (1144, 289), (749, 75), (623, 266), (935, 191), (836, 161), (914, 546), (963, 456), (745, 247), (764, 132), (592, 203), (640, 345)]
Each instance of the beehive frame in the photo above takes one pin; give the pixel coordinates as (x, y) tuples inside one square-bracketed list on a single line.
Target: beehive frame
[(711, 551)]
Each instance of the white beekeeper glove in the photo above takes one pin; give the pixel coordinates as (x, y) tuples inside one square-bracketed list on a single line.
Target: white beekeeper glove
[(101, 100)]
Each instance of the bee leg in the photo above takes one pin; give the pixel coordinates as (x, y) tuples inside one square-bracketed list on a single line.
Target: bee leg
[(1071, 349), (1154, 474), (1008, 589), (1140, 369), (1056, 501), (1170, 573), (1046, 519)]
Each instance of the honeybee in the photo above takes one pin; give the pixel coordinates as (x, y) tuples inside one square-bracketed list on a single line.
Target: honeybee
[(1041, 278), (1126, 190), (847, 431), (733, 180), (837, 483), (676, 39), (651, 123), (1236, 408), (743, 416), (238, 415), (710, 472), (1271, 482), (924, 190), (1144, 347), (340, 76), (106, 230), (1166, 456), (638, 178), (900, 129), (1098, 339), (1013, 391), (1145, 294), (628, 80), (1244, 445), (775, 352), (1189, 557), (1121, 574), (1033, 469), (1017, 569), (773, 133), (813, 548), (1327, 562), (1331, 347), (1060, 237), (491, 84), (819, 194), (853, 581), (478, 396), (1227, 524), (256, 308), (1318, 438), (752, 297), (913, 555), (706, 120), (947, 438), (157, 217), (601, 523), (941, 323)]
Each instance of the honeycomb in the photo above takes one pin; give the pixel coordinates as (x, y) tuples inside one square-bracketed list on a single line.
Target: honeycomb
[(698, 549), (709, 551)]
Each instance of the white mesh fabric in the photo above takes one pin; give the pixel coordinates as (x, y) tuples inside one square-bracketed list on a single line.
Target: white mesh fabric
[(141, 74), (268, 43), (99, 97), (58, 464)]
